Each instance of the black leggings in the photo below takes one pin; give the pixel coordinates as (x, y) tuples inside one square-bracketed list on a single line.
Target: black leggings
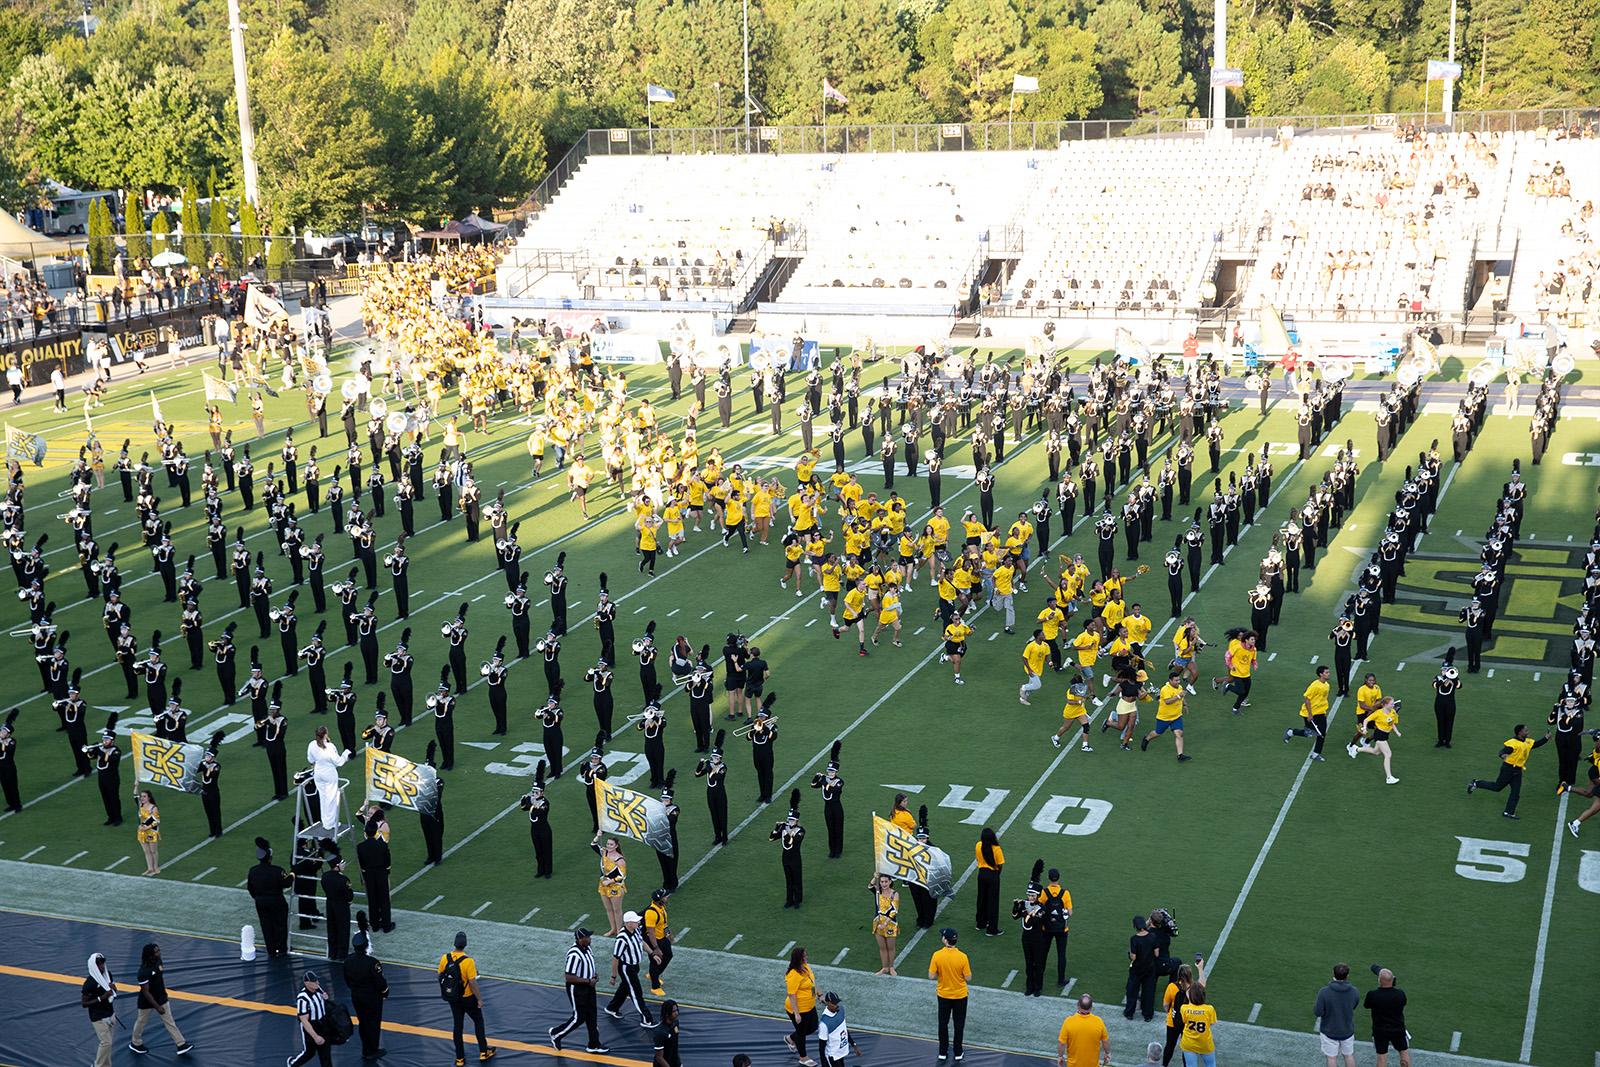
[(805, 1024)]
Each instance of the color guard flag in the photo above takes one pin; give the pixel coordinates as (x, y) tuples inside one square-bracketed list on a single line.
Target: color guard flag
[(1022, 83), (24, 446), (900, 855), (262, 309), (655, 94), (168, 764), (155, 408), (635, 815), (217, 389), (399, 783), (830, 93)]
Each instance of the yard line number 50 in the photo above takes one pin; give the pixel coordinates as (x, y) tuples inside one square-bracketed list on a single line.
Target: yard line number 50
[(1484, 860)]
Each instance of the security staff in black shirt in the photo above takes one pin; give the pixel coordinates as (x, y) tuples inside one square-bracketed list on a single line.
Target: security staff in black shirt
[(363, 975)]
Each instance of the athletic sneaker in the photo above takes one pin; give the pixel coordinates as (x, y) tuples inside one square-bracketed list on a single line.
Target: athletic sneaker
[(1023, 700), (1351, 751), (1216, 684), (555, 1042), (836, 632), (617, 1015), (185, 1048), (1086, 748), (1572, 827), (960, 680), (1055, 742), (658, 991), (1391, 781), (1510, 815), (1286, 735), (1144, 744), (1472, 787), (807, 1061), (140, 1049), (1191, 690), (1185, 758), (798, 592), (597, 1049), (788, 1039), (1318, 757)]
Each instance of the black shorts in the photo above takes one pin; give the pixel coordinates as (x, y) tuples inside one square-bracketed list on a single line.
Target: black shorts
[(955, 648), (849, 619), (734, 683), (753, 690), (1381, 1042)]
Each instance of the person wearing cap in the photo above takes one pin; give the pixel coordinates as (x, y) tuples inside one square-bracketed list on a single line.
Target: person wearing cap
[(310, 1008), (627, 952), (153, 1000), (363, 976), (266, 883), (458, 984), (950, 968), (1083, 1035), (372, 855), (337, 895), (581, 975), (658, 937), (108, 772), (1143, 949), (834, 1040)]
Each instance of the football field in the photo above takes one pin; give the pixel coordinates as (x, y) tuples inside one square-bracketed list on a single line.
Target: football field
[(1274, 866)]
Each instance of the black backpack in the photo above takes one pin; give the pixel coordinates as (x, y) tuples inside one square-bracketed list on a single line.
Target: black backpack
[(451, 987), (336, 1023)]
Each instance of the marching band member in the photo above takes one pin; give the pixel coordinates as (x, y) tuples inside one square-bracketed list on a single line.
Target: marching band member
[(549, 649), (590, 771), (517, 603), (431, 823), (400, 662), (699, 688), (224, 653), (172, 723), (107, 762), (272, 738), (344, 708), (443, 705), (669, 861), (832, 786), (653, 723), (210, 784), (789, 833), (380, 735), (715, 772), (455, 631), (154, 673), (74, 717), (537, 805), (556, 580), (494, 672), (762, 733), (1445, 685), (8, 761), (255, 687)]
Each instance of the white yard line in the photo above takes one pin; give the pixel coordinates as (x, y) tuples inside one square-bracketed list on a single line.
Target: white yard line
[(1544, 931), (120, 860), (479, 910)]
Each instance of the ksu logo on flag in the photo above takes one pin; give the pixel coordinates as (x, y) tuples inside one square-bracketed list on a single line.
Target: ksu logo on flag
[(397, 782), (166, 764), (655, 94), (636, 815), (900, 855)]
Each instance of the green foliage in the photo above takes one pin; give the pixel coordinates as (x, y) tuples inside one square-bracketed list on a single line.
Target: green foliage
[(136, 240), (278, 257), (21, 35), (250, 245), (101, 248), (194, 241), (1142, 58), (217, 230), (160, 230)]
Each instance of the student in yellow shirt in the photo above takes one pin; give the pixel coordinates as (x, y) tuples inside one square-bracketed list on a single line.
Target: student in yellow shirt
[(951, 971), (1241, 660), (1513, 761), (1034, 655), (1075, 713), (1382, 724), (1004, 574), (1138, 625), (733, 520), (1313, 713), (794, 550), (1169, 715), (1186, 645), (888, 613), (800, 1003), (1086, 646), (956, 633), (831, 574), (1051, 619), (761, 510), (1199, 1022), (855, 610), (648, 526), (672, 515)]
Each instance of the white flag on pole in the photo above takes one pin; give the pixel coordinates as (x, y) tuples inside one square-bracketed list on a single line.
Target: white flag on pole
[(655, 94), (1023, 83), (830, 93)]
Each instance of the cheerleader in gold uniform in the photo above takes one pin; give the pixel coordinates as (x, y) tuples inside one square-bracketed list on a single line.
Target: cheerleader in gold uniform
[(149, 833), (613, 880), (885, 921)]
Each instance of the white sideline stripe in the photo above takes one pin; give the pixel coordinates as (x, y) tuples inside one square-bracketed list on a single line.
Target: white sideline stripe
[(736, 939), (840, 957), (202, 874), (528, 916), (32, 853), (74, 858), (480, 908), (1255, 1013), (1544, 931), (575, 923), (1011, 977), (783, 953), (432, 902), (119, 862)]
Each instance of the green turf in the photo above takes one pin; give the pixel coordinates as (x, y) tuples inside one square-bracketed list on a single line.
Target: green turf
[(1357, 870)]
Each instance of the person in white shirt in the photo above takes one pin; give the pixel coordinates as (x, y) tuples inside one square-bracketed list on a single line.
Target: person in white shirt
[(325, 762), (833, 1033), (58, 382), (14, 382)]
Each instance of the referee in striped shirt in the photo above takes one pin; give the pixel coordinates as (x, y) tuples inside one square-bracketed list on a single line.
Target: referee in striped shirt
[(581, 977), (626, 954), (310, 1005)]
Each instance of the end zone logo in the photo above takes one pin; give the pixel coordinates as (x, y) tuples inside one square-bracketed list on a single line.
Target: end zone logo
[(1539, 602)]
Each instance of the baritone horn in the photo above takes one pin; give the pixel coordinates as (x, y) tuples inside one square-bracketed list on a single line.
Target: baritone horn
[(745, 730)]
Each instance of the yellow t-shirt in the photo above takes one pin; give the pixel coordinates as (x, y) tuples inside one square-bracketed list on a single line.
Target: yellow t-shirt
[(1050, 620), (1081, 1036), (1183, 644), (831, 573), (1138, 627), (1113, 613), (951, 969), (1368, 697), (647, 538), (802, 986), (889, 607), (733, 512), (1034, 653), (1386, 719), (469, 971), (1087, 646), (1518, 756), (1002, 579), (941, 530), (1198, 1021), (673, 514), (1242, 660), (1316, 695), (957, 632), (1075, 708), (855, 602), (1171, 705)]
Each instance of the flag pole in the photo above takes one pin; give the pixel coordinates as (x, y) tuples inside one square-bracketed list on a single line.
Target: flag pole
[(649, 125), (824, 115), (1011, 113)]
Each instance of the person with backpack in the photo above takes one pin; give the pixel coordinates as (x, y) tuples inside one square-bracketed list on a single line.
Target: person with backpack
[(458, 986)]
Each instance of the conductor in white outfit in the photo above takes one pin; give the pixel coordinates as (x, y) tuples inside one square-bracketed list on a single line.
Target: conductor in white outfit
[(325, 762)]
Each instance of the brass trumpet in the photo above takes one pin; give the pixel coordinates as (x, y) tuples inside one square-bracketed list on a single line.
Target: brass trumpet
[(745, 730)]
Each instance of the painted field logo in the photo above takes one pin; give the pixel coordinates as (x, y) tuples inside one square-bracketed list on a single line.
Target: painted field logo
[(1539, 602)]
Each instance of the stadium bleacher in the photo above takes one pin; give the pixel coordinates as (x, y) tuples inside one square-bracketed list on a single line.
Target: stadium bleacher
[(1377, 225)]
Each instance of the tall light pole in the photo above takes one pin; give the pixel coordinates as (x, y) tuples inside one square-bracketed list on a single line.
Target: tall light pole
[(1219, 61), (1450, 83), (747, 75), (241, 94)]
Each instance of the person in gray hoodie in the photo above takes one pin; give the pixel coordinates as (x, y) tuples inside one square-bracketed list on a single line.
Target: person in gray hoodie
[(1336, 1017)]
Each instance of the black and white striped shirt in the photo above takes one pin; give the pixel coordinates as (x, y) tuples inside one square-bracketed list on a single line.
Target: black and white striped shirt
[(628, 948), (580, 963), (311, 1005)]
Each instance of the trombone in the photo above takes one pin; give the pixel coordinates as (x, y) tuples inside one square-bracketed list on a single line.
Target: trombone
[(745, 730)]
